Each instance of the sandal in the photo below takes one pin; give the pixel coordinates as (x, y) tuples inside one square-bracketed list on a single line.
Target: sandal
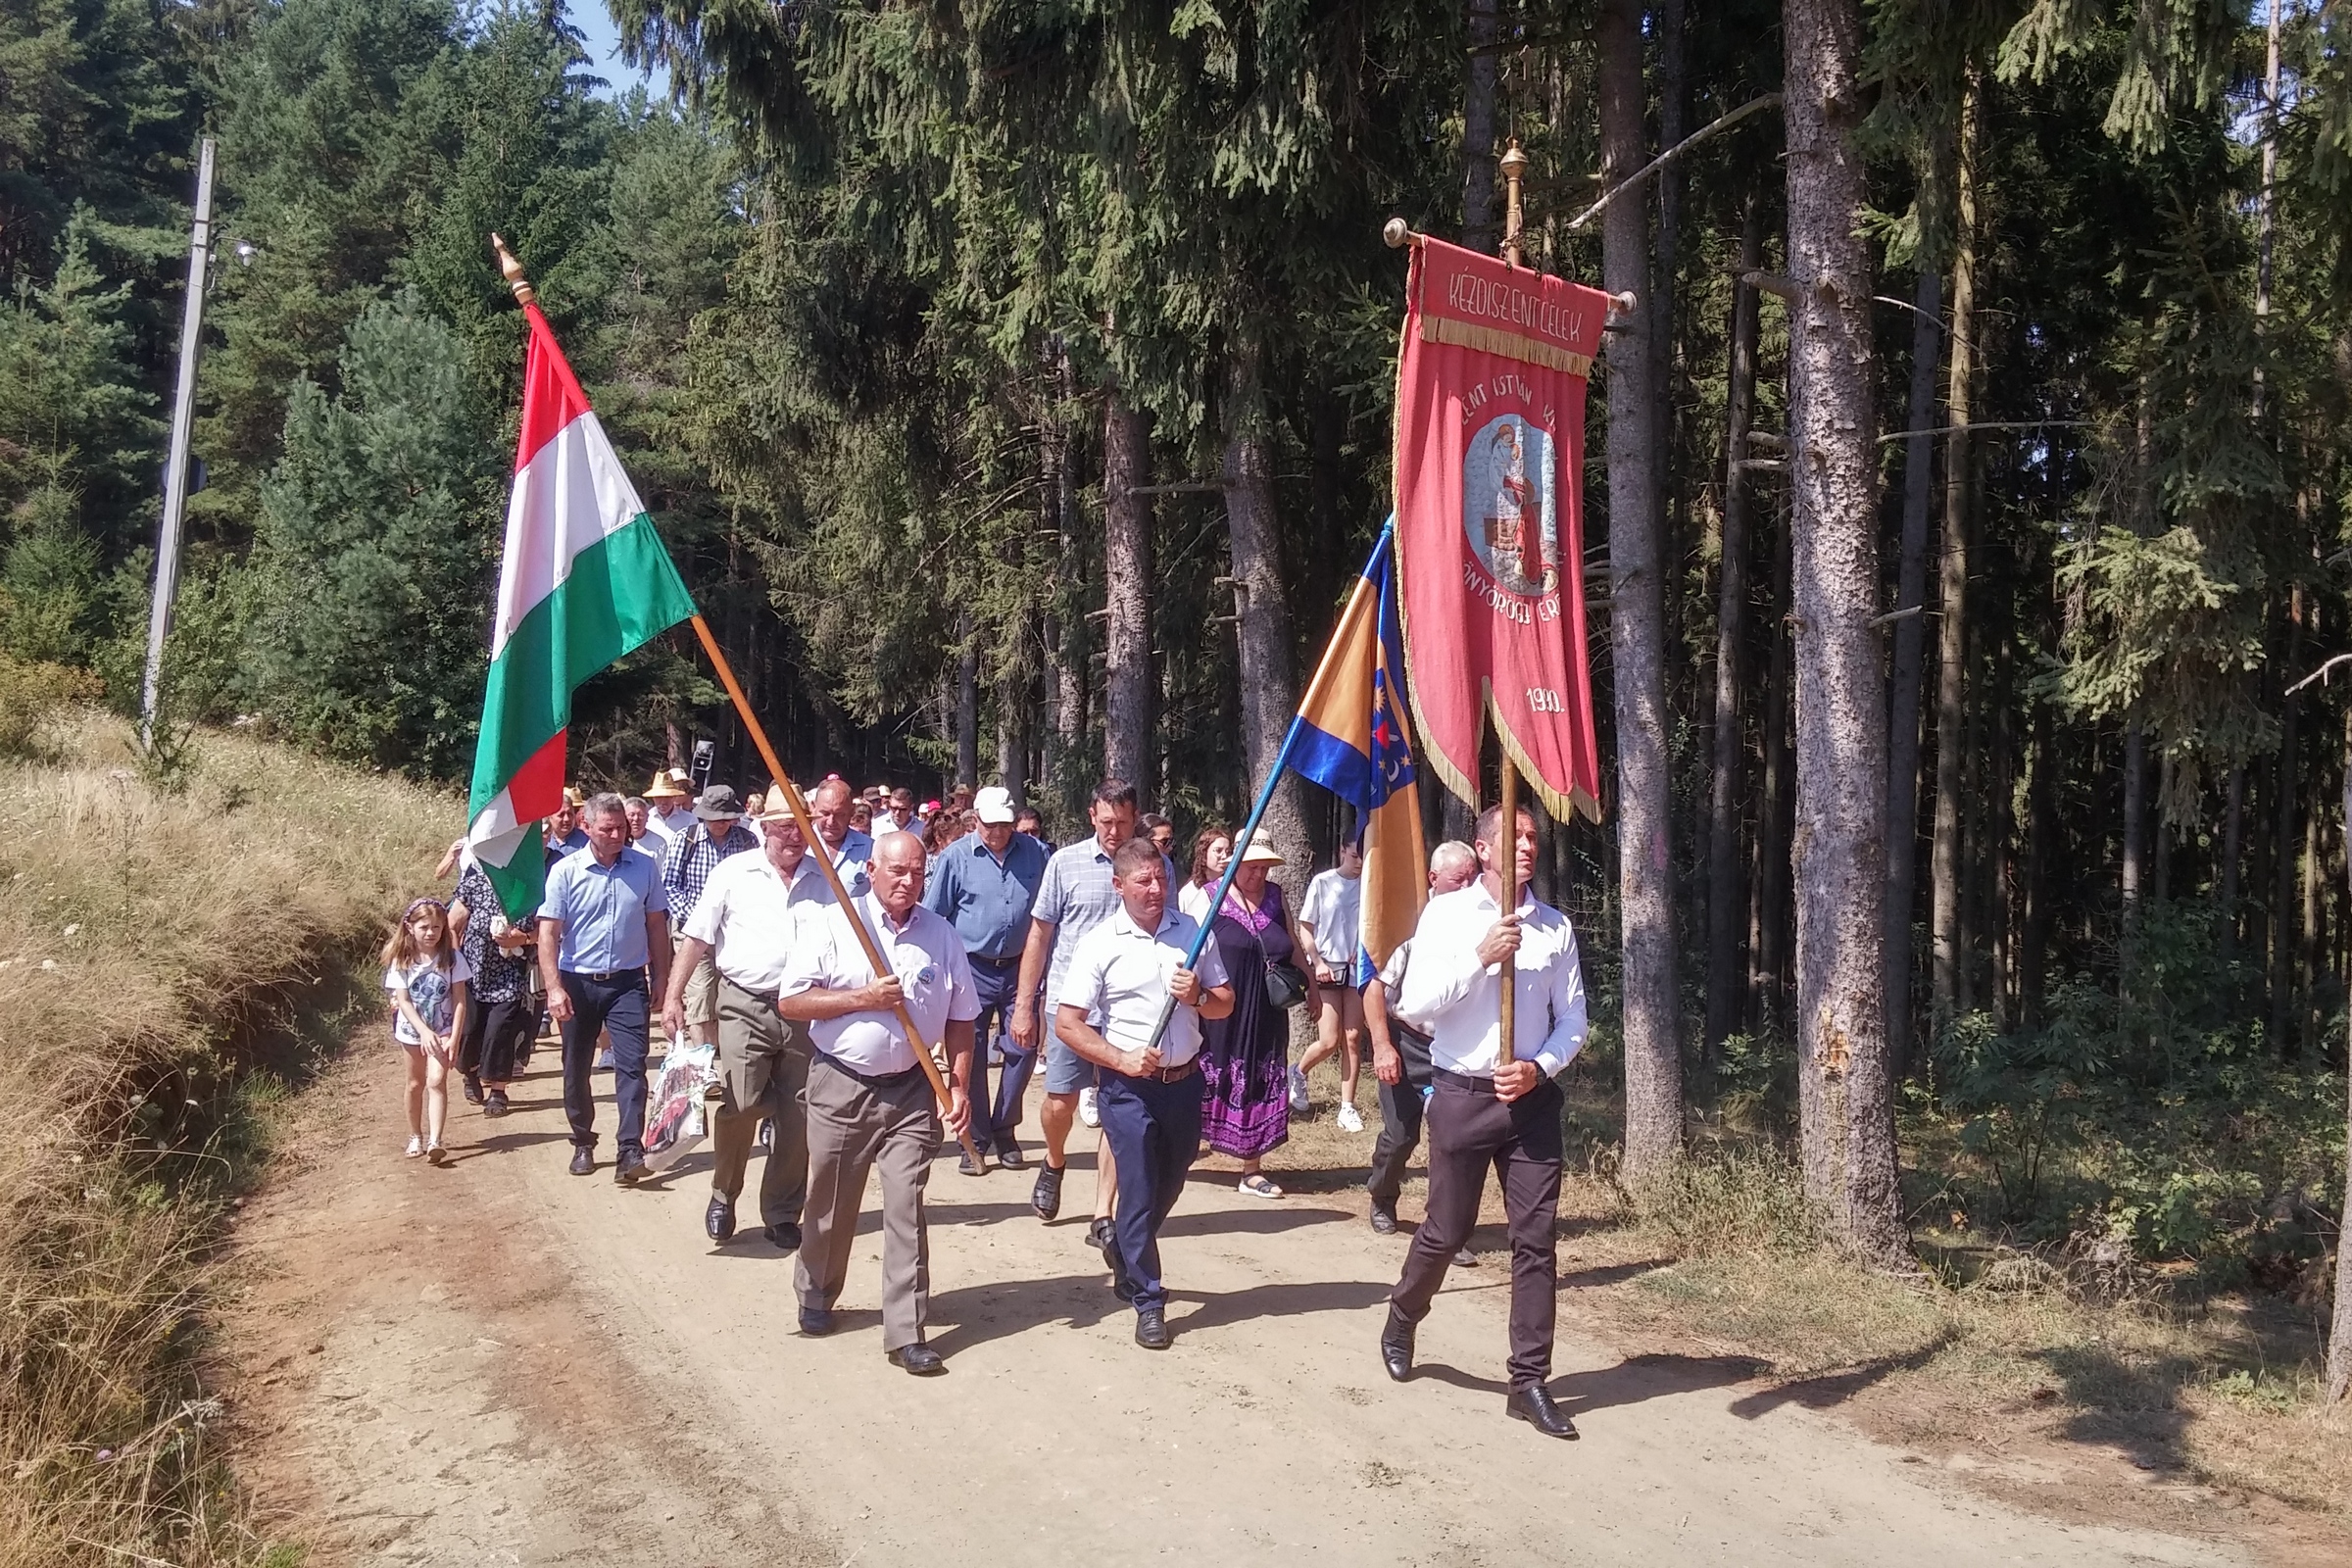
[(435, 1154), (416, 1145), (1255, 1184)]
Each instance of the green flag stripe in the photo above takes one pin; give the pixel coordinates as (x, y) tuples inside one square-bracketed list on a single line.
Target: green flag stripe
[(622, 592)]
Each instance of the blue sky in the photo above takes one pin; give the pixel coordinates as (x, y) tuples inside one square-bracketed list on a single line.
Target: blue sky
[(592, 18)]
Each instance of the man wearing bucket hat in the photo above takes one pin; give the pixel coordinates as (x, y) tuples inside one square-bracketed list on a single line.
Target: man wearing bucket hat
[(717, 834), (985, 883), (745, 923)]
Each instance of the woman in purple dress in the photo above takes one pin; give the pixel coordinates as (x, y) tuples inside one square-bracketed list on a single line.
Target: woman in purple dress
[(1246, 1056)]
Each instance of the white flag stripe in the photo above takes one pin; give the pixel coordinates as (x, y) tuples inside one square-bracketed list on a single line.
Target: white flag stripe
[(567, 499)]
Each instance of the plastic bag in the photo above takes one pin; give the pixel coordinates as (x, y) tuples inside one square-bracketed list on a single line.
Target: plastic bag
[(675, 1120)]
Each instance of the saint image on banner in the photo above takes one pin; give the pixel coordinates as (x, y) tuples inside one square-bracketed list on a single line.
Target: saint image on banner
[(1507, 505)]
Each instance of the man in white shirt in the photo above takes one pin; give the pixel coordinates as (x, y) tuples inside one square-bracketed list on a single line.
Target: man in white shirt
[(1124, 973), (1327, 930), (869, 1102), (745, 921), (1401, 1053), (1492, 1108)]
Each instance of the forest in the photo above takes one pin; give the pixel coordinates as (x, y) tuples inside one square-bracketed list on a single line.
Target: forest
[(1966, 489)]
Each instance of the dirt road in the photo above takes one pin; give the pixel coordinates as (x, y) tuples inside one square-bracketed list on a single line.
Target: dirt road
[(502, 1364)]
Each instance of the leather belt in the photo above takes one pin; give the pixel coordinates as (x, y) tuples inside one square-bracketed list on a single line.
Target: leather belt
[(608, 975), (1165, 1075), (1482, 1084), (885, 1080)]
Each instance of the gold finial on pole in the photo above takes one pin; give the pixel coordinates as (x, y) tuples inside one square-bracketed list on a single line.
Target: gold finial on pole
[(1514, 168), (512, 270)]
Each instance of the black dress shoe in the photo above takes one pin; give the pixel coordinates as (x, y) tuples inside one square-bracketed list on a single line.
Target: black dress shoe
[(784, 1237), (629, 1172), (919, 1358), (718, 1220), (1396, 1348), (1384, 1221), (1046, 1195), (1151, 1329), (1533, 1406), (583, 1160), (1010, 1157), (817, 1321)]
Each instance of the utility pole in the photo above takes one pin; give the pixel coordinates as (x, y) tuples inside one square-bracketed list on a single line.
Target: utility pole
[(175, 467)]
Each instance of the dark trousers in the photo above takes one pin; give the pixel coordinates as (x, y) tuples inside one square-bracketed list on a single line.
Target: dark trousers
[(1154, 1130), (1469, 1131), (1399, 1116), (997, 1123), (495, 1034), (616, 1003)]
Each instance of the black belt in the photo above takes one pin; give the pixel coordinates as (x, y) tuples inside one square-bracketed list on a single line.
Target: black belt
[(1483, 1084), (997, 964), (608, 975), (886, 1080)]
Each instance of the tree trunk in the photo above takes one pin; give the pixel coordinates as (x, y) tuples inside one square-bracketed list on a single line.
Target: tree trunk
[(1261, 608), (1845, 1096), (1653, 1083), (2339, 1338), (2136, 824), (2042, 831), (1951, 639), (1910, 637), (968, 707), (1658, 310), (1723, 895), (1013, 738), (1480, 229), (1126, 594), (2284, 846), (1769, 929)]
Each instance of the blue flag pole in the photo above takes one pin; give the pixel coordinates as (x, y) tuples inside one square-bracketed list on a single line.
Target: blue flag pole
[(1266, 798)]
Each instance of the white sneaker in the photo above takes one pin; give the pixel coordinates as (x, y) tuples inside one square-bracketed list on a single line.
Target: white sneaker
[(415, 1146), (1351, 1120), (1298, 1093), (1087, 1112)]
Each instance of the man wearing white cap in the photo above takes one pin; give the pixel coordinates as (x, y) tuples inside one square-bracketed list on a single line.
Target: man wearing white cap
[(984, 884)]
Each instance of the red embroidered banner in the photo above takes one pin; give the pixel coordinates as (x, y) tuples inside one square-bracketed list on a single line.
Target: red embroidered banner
[(1489, 519)]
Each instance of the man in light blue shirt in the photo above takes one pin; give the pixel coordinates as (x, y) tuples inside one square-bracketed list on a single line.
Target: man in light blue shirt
[(603, 922), (848, 847), (985, 883)]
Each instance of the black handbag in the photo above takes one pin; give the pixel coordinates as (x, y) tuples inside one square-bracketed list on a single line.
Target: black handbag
[(1285, 981)]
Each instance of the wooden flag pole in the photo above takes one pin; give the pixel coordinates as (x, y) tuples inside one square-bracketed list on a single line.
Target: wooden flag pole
[(512, 270), (824, 865), (1506, 847)]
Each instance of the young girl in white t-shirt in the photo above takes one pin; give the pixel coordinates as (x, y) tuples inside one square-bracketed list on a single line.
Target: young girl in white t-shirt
[(427, 977)]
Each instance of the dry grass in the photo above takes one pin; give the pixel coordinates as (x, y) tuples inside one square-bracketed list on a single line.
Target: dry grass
[(151, 948)]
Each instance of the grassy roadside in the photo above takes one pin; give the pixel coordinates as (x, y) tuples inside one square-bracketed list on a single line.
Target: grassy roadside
[(2216, 1387), (160, 956)]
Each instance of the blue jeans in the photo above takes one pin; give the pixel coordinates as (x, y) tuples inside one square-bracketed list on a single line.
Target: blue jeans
[(996, 1122), (617, 1004), (1154, 1130)]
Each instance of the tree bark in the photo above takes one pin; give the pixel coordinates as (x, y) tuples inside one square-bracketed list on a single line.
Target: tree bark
[(1666, 249), (2135, 825), (1769, 927), (1910, 638), (1952, 638), (1481, 231), (1126, 594), (2284, 843), (2234, 849), (1725, 899), (1845, 1096), (967, 706), (2339, 1338), (1261, 608), (1653, 1080)]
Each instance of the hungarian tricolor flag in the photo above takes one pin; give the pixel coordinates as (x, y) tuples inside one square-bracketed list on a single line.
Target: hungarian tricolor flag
[(585, 580), (1489, 519)]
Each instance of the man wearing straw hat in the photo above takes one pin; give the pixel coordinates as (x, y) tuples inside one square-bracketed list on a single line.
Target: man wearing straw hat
[(869, 1102), (662, 795), (745, 924), (718, 834)]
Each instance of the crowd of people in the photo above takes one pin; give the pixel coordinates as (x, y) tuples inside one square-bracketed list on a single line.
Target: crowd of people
[(824, 974)]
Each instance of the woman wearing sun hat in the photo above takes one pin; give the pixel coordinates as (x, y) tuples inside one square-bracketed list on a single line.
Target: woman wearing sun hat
[(1245, 1056)]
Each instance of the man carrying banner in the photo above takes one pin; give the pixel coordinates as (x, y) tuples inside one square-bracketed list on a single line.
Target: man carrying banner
[(1491, 1108)]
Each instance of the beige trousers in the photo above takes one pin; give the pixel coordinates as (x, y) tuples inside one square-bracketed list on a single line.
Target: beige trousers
[(762, 1071), (854, 1126)]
